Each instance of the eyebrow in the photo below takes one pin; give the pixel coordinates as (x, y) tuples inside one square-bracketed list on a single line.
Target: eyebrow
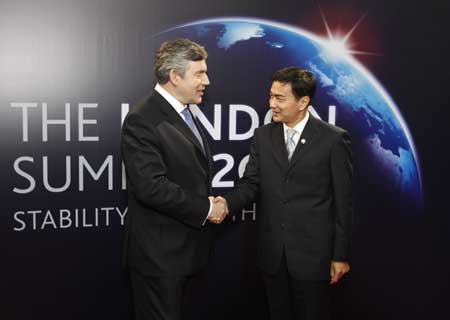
[(277, 95)]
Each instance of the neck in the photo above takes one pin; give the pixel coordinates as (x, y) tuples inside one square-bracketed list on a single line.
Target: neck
[(301, 116), (171, 89)]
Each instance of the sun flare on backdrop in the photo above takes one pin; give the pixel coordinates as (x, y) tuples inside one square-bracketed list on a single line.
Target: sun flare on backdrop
[(338, 43)]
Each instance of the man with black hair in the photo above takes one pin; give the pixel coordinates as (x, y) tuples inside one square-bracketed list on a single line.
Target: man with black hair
[(300, 174)]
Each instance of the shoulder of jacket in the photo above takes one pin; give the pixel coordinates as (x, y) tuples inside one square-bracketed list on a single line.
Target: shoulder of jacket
[(267, 127), (148, 110), (329, 128)]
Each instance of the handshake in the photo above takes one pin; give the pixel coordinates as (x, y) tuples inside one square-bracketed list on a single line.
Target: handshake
[(219, 209)]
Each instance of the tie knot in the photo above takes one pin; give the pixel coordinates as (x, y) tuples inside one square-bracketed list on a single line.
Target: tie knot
[(186, 113)]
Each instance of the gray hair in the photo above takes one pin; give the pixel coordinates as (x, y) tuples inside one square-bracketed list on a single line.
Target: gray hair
[(176, 54)]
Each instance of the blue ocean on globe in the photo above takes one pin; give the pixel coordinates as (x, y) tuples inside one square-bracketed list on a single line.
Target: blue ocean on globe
[(244, 52)]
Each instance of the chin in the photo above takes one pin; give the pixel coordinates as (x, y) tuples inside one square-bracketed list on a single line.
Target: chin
[(276, 119)]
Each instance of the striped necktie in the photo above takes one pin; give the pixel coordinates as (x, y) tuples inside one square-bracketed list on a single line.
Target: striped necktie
[(290, 142), (190, 122)]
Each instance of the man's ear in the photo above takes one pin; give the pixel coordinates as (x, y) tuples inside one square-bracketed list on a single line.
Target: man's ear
[(174, 77), (304, 103)]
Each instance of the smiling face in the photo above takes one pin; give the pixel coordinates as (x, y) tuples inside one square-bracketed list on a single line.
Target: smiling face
[(189, 88), (285, 106)]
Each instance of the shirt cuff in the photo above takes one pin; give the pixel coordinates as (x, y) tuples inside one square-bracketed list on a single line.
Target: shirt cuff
[(209, 212)]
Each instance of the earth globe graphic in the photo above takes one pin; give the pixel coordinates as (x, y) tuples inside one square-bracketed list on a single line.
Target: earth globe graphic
[(244, 52)]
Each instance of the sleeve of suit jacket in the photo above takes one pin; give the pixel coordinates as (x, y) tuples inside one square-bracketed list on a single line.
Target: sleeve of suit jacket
[(248, 186), (147, 174), (342, 171)]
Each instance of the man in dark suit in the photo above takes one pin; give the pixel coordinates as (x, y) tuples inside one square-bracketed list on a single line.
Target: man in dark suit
[(168, 167), (300, 174)]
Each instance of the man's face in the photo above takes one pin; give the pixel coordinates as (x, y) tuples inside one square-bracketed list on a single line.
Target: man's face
[(191, 86), (285, 106)]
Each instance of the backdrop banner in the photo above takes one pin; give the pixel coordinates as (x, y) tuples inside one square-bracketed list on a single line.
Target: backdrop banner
[(71, 70)]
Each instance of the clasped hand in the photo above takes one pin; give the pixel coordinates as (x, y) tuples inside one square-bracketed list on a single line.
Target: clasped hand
[(219, 210)]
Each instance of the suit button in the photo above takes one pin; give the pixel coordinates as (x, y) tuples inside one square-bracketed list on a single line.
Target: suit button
[(282, 226)]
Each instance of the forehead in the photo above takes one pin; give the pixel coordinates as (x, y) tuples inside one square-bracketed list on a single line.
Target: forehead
[(197, 66), (280, 88)]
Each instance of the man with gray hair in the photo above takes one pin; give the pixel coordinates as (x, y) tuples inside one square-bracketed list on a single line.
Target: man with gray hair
[(168, 163)]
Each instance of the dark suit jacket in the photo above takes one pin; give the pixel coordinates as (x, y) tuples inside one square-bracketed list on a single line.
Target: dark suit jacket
[(303, 206), (168, 181)]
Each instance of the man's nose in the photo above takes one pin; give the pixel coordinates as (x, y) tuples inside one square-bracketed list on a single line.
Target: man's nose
[(272, 102), (205, 81)]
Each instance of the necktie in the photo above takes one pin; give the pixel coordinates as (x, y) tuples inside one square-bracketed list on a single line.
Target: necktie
[(190, 122), (290, 142)]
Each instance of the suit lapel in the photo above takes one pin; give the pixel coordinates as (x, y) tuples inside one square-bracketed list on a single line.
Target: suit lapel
[(206, 151), (175, 119), (308, 137), (279, 145)]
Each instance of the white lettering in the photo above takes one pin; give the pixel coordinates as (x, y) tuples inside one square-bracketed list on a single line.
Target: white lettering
[(82, 163), (234, 108), (46, 122), (214, 131), (124, 108), (217, 182), (25, 175), (122, 215), (64, 219), (45, 176), (48, 219), (16, 217), (82, 121), (24, 107)]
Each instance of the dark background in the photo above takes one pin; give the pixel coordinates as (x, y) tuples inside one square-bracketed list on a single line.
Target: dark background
[(95, 51)]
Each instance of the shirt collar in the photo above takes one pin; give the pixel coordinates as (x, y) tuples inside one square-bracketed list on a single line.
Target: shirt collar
[(177, 105), (300, 126)]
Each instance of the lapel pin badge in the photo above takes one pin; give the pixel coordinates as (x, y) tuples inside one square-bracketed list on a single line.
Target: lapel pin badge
[(303, 141)]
